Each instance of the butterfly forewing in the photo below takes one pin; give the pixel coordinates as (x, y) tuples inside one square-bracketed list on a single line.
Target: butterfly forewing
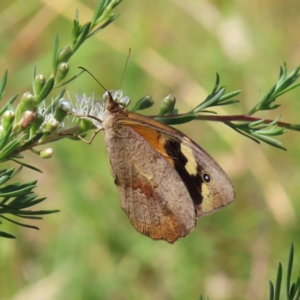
[(152, 193), (208, 185)]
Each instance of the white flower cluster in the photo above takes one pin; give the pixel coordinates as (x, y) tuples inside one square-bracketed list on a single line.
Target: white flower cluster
[(68, 113)]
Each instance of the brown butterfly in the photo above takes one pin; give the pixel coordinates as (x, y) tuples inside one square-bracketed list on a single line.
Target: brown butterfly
[(165, 180)]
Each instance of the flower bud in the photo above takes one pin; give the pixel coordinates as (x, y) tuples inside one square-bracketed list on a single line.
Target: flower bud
[(64, 54), (28, 119), (46, 153), (50, 126), (27, 102), (7, 119), (63, 108), (167, 105), (62, 71), (39, 83), (143, 103)]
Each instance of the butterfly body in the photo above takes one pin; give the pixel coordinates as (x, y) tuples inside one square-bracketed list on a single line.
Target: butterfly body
[(164, 179)]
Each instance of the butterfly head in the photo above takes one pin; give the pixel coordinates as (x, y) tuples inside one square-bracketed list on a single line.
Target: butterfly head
[(115, 99)]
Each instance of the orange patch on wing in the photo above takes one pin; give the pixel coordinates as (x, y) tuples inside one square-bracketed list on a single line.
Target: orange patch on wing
[(154, 138)]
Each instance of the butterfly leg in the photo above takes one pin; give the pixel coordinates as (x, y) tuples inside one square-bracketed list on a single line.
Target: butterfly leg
[(92, 137), (94, 134)]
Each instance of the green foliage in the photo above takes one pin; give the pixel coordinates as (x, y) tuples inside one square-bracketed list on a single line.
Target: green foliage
[(16, 198), (32, 123), (292, 289), (256, 129), (283, 85)]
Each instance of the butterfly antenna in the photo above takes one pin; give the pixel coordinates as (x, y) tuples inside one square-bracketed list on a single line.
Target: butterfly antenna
[(125, 67), (84, 69)]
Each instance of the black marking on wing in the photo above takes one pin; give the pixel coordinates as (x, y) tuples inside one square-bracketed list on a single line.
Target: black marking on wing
[(193, 183)]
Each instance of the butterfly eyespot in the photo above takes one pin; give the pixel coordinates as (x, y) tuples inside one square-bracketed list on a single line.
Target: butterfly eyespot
[(206, 177)]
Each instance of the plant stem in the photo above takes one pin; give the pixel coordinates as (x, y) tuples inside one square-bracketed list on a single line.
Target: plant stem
[(234, 118)]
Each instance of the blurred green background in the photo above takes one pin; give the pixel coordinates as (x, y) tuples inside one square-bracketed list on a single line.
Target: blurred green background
[(89, 250)]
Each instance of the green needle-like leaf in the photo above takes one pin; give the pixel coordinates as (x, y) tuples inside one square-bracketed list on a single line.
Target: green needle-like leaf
[(26, 165), (268, 140), (210, 101), (103, 26), (83, 35), (18, 223), (8, 105), (17, 192), (6, 235), (278, 282), (271, 290), (45, 91), (54, 54), (98, 12), (9, 148), (3, 83)]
